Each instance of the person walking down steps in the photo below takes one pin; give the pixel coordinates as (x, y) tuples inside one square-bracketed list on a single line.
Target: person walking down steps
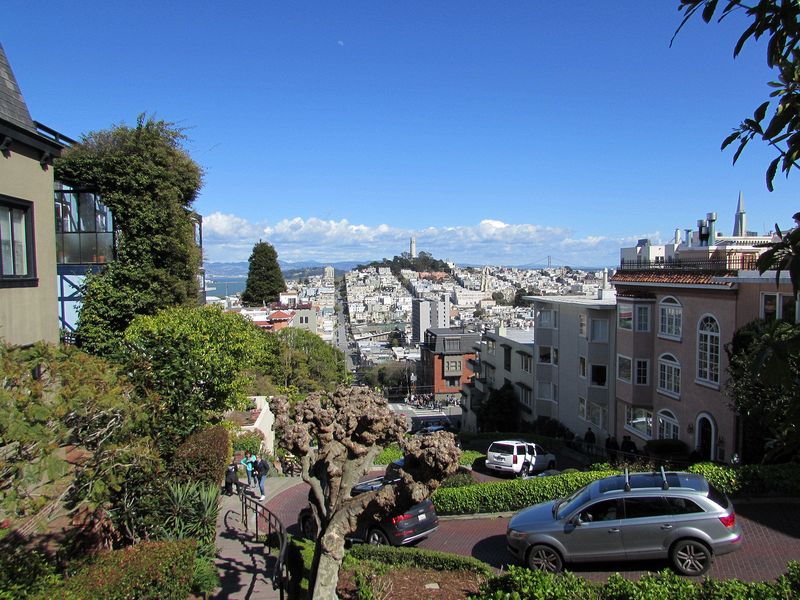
[(260, 472)]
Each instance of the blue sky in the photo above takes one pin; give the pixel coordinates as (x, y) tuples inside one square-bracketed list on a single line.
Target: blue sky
[(496, 132)]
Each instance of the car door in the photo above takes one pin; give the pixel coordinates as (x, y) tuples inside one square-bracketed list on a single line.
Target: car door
[(597, 536), (530, 456), (646, 525)]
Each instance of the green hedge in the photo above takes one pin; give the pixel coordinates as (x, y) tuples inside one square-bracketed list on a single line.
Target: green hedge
[(249, 441), (418, 558), (752, 479), (504, 496), (149, 570), (203, 456), (522, 584)]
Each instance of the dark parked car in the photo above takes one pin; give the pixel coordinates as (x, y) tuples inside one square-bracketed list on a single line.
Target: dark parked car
[(678, 516), (399, 528)]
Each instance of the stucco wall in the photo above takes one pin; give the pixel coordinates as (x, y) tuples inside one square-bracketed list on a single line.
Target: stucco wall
[(29, 314)]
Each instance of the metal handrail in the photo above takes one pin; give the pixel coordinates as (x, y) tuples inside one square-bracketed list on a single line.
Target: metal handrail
[(275, 528)]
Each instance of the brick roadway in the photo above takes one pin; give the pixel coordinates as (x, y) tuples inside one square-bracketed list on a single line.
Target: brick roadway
[(771, 539)]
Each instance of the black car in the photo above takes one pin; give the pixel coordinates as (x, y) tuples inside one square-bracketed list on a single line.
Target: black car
[(397, 529)]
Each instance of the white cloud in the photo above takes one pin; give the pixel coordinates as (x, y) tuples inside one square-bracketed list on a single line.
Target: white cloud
[(230, 238)]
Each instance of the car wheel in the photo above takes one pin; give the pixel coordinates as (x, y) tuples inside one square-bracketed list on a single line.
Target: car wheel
[(545, 558), (376, 537), (690, 557)]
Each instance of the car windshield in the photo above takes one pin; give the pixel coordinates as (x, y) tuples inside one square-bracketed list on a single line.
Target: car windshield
[(501, 448), (569, 504)]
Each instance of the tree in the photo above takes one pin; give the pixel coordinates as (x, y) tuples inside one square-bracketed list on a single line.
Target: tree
[(149, 182), (519, 299), (338, 435), (194, 364), (783, 255), (779, 20), (264, 278), (764, 359), (500, 411), (308, 363)]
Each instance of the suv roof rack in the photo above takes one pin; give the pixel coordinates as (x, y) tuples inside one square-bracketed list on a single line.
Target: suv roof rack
[(627, 480), (664, 485)]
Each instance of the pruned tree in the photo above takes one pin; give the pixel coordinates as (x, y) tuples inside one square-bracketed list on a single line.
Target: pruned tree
[(264, 277), (337, 437)]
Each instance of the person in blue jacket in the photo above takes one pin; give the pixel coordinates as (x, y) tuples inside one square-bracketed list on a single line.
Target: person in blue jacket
[(248, 461)]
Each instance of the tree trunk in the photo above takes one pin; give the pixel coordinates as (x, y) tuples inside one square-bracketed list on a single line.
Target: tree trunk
[(327, 577)]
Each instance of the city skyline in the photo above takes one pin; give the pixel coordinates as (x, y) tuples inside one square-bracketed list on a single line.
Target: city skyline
[(492, 135)]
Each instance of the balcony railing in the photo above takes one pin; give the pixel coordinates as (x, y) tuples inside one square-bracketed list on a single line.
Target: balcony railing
[(722, 263)]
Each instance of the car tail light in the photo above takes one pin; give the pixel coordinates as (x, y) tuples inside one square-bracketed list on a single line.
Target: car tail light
[(515, 459), (729, 520), (405, 517)]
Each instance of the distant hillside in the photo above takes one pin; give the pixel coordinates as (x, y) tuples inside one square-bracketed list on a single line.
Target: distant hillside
[(308, 268)]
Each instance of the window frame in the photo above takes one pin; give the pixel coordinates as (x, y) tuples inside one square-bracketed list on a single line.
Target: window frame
[(636, 413), (638, 319), (620, 359), (637, 362), (592, 337), (667, 419), (552, 321), (526, 362), (708, 352), (553, 356), (670, 368), (583, 367), (625, 323), (591, 375), (670, 319), (29, 277)]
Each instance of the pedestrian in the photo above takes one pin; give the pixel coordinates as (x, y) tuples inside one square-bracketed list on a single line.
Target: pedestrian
[(611, 448), (248, 461), (261, 470), (627, 446), (230, 478), (588, 437)]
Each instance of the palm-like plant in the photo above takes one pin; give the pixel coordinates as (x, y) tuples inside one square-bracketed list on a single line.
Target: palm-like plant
[(783, 255)]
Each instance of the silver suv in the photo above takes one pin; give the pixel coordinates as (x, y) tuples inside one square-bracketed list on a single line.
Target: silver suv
[(629, 517)]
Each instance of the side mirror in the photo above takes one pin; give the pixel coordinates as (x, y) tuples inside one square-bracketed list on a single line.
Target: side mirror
[(577, 521)]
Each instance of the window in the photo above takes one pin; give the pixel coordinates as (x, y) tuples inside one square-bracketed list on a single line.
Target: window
[(452, 345), (491, 345), (708, 350), (667, 426), (599, 375), (547, 391), (582, 408), (526, 362), (624, 368), (605, 510), (642, 371), (683, 506), (597, 414), (507, 358), (452, 365), (452, 382), (525, 395), (639, 420), (670, 322), (16, 239), (654, 506), (548, 355), (778, 306), (599, 330), (582, 325), (625, 316), (669, 375), (643, 318), (84, 228), (547, 319), (582, 367)]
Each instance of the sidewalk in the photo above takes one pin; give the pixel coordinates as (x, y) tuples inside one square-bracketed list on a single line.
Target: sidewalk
[(244, 567)]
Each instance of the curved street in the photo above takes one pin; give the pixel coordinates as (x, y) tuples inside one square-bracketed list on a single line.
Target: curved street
[(771, 539)]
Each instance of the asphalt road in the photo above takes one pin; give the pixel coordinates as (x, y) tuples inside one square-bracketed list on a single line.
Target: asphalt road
[(771, 539)]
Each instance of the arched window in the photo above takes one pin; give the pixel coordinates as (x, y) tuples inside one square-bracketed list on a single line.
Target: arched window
[(708, 350), (669, 375), (668, 425), (669, 323)]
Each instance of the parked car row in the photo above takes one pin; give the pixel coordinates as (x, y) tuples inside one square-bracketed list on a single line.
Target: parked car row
[(667, 515)]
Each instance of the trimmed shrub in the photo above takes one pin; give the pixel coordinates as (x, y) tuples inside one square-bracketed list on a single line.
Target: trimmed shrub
[(150, 570), (249, 441), (667, 449), (389, 454), (461, 478), (504, 496), (752, 479), (418, 558), (203, 456), (520, 583)]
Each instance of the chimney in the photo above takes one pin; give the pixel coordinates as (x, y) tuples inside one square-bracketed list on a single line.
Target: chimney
[(712, 228), (677, 239), (688, 238), (702, 231)]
